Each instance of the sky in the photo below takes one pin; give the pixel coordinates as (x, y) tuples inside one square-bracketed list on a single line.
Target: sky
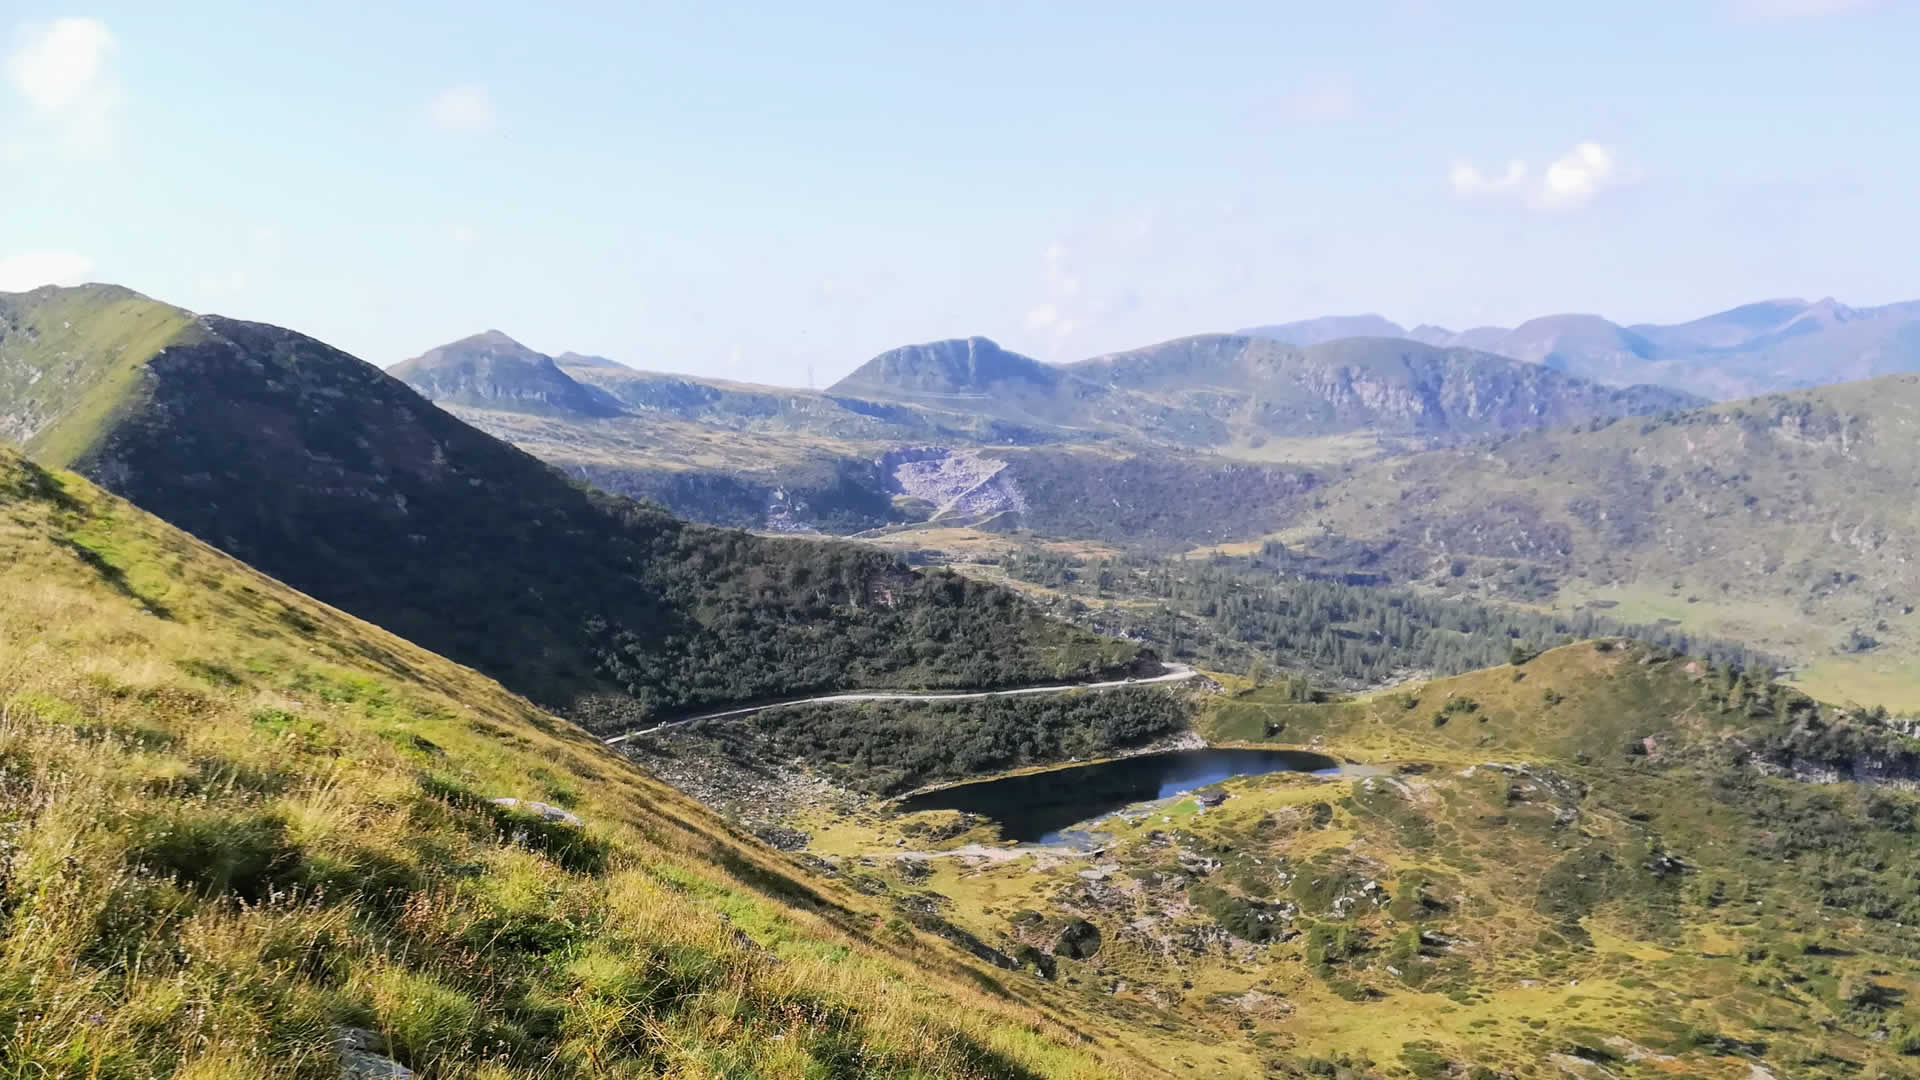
[(776, 192)]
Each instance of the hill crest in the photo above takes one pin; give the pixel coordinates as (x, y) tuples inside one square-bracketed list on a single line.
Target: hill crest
[(490, 370)]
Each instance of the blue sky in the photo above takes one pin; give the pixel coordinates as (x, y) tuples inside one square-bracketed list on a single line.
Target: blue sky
[(753, 190)]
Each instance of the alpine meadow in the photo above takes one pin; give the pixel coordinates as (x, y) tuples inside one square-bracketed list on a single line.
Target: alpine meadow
[(731, 542)]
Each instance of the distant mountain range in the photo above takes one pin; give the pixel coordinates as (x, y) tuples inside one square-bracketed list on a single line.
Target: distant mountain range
[(1214, 392), (1222, 391), (1753, 349)]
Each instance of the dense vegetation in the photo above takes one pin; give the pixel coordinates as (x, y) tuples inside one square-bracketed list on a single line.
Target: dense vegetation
[(236, 823), (893, 746), (340, 481), (1256, 614), (1157, 503), (834, 495)]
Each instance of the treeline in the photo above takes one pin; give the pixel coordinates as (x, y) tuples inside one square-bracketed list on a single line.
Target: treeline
[(1251, 613), (894, 746), (746, 618), (1150, 504)]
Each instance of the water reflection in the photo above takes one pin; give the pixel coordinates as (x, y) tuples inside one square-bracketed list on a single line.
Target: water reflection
[(1036, 807)]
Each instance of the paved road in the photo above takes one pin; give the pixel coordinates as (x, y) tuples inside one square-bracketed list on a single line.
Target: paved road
[(1175, 673)]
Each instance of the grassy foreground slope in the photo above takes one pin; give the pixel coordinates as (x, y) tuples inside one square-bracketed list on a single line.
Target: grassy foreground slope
[(331, 476), (233, 820)]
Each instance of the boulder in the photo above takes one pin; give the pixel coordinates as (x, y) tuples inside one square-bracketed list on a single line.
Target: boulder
[(363, 1057), (1078, 940), (540, 809)]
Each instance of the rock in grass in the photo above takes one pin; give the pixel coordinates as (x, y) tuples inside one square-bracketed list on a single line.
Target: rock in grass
[(361, 1057), (545, 810)]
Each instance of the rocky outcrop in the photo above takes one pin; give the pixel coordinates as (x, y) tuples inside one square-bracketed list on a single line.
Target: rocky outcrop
[(544, 811), (954, 481)]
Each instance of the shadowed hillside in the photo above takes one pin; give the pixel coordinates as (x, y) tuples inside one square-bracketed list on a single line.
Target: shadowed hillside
[(321, 470)]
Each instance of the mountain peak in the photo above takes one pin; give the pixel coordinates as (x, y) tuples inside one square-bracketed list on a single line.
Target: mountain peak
[(490, 370), (952, 366), (491, 339)]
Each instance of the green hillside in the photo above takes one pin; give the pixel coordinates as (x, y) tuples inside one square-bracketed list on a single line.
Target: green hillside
[(319, 469), (238, 824), (1610, 861), (1787, 522)]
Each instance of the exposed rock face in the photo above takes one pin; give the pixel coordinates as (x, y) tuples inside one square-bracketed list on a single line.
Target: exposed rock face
[(954, 481)]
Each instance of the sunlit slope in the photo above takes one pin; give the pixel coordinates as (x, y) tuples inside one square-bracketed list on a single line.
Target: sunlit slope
[(70, 359), (234, 820), (1609, 861)]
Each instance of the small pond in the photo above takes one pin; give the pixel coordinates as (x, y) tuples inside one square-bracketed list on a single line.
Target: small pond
[(1037, 807)]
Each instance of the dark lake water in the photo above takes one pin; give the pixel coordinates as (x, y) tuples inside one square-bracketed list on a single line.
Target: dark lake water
[(1035, 807)]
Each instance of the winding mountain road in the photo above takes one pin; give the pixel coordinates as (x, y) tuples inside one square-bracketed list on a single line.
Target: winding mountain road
[(1175, 673)]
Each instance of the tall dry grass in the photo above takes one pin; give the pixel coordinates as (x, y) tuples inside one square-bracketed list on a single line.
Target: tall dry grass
[(233, 820)]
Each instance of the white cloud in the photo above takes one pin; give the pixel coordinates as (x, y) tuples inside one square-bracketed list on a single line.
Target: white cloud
[(57, 64), (1579, 176), (1469, 180), (1568, 182), (1799, 9), (63, 69), (30, 270), (463, 110)]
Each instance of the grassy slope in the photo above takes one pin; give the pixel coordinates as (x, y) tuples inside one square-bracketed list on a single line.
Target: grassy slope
[(234, 817), (1529, 846), (1786, 522), (75, 356)]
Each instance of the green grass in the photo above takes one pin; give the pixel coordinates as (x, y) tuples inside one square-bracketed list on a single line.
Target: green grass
[(78, 358), (1784, 522), (235, 819), (1531, 878)]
